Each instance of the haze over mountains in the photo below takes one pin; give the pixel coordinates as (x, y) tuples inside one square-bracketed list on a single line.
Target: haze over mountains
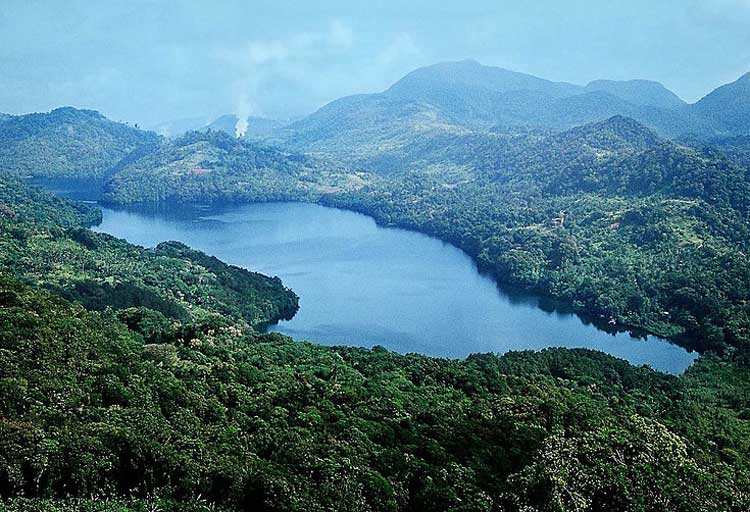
[(467, 94), (377, 131), (431, 117)]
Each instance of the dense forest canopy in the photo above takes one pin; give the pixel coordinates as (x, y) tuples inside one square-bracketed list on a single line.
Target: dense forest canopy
[(44, 240), (66, 142), (212, 165), (142, 411)]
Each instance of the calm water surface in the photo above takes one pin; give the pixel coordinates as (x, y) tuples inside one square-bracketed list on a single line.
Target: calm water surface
[(364, 285)]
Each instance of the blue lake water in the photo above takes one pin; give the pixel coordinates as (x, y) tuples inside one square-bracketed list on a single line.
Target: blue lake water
[(362, 284)]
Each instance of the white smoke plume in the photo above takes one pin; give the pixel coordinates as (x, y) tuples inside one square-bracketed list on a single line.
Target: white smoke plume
[(244, 109), (240, 128)]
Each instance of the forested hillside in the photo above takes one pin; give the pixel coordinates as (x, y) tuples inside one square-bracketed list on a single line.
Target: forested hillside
[(66, 142), (44, 240), (212, 165), (729, 107), (24, 204), (92, 407), (736, 148)]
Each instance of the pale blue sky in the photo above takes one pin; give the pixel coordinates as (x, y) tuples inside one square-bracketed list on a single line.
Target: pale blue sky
[(148, 61)]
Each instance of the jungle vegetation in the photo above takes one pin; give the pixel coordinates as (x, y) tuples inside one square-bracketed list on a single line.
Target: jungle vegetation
[(113, 410)]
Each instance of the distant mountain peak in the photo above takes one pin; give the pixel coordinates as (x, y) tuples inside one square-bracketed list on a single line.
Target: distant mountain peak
[(617, 131), (467, 62), (620, 123), (623, 125), (638, 92), (729, 105), (451, 73), (79, 112)]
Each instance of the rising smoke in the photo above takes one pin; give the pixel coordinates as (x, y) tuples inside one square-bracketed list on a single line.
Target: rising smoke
[(240, 127), (244, 109)]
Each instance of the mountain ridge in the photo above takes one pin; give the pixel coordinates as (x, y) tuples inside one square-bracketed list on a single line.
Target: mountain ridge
[(657, 95), (465, 96)]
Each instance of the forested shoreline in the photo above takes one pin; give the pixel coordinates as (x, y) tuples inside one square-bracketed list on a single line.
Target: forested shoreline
[(532, 252), (607, 218)]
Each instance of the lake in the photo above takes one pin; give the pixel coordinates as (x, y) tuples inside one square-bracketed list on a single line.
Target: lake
[(362, 284)]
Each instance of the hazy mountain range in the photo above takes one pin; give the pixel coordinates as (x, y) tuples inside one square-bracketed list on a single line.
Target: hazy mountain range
[(460, 96), (428, 118), (470, 95)]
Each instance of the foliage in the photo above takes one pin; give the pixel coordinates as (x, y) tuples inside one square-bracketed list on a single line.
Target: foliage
[(736, 148), (21, 203), (627, 227), (262, 422), (212, 165), (152, 504), (101, 271), (66, 142)]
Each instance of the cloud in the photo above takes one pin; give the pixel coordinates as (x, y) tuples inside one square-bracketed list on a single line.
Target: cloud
[(262, 52), (262, 68), (401, 47), (340, 34)]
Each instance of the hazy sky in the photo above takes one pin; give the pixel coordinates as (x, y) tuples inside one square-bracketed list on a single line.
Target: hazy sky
[(147, 61)]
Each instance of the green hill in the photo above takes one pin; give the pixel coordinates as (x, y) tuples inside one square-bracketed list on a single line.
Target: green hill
[(211, 165), (97, 415), (66, 142), (24, 204), (44, 240)]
